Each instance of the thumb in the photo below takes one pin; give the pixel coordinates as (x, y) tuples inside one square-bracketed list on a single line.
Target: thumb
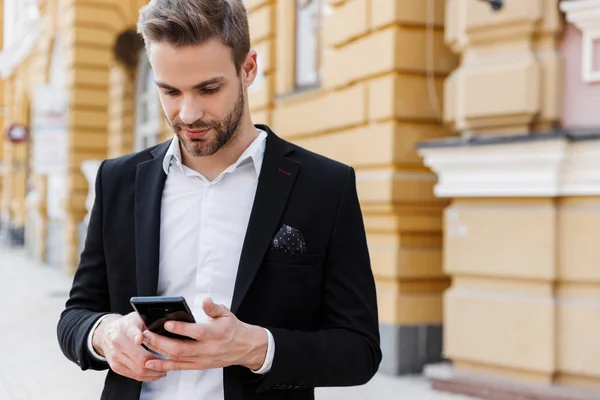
[(213, 310)]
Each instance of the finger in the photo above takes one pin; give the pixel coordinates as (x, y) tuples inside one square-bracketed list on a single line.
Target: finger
[(135, 319), (137, 371), (133, 351), (191, 330), (171, 365), (214, 310), (134, 334), (171, 348), (139, 355)]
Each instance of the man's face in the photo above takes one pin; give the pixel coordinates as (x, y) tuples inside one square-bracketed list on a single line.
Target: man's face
[(201, 93)]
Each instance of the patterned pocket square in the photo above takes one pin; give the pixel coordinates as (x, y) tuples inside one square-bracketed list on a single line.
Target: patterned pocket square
[(289, 240)]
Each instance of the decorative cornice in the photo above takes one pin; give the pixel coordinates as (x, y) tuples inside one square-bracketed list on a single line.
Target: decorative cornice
[(23, 20), (12, 56), (556, 166), (585, 14)]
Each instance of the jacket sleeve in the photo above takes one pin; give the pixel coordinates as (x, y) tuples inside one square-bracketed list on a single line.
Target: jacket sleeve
[(346, 350), (89, 297)]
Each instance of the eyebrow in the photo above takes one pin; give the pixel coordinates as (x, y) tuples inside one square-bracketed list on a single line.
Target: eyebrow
[(199, 86)]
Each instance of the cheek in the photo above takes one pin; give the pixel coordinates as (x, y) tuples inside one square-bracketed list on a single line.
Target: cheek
[(224, 104)]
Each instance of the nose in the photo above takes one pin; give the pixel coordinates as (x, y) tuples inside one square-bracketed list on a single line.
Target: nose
[(190, 110)]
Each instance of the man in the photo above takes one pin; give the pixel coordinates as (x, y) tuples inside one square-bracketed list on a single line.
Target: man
[(264, 239)]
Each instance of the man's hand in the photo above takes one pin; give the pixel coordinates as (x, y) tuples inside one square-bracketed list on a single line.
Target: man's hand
[(118, 338), (221, 342)]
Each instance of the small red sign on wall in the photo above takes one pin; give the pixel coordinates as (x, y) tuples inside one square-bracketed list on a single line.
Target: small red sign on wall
[(17, 133)]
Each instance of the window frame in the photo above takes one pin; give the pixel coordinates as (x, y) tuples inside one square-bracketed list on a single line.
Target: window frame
[(147, 107)]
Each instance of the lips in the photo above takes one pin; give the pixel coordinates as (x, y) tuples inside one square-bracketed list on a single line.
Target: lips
[(196, 133)]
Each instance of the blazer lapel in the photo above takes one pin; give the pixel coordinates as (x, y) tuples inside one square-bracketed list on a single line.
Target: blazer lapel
[(275, 183), (149, 183)]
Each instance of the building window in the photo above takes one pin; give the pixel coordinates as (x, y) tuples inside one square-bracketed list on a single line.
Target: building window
[(20, 17), (31, 10), (585, 15), (147, 120), (308, 43)]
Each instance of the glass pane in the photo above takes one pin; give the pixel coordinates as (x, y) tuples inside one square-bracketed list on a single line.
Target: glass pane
[(31, 10), (143, 110), (308, 44), (147, 109), (149, 84)]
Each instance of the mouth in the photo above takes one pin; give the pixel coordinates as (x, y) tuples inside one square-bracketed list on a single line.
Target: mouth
[(195, 133)]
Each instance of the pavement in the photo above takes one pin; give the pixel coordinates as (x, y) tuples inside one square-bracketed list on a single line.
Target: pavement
[(34, 368)]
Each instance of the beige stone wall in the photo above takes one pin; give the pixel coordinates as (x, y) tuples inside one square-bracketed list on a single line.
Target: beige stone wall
[(525, 284), (577, 292), (509, 80), (525, 296), (500, 314)]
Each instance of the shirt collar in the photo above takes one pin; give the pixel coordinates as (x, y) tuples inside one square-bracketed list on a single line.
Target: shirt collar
[(255, 152)]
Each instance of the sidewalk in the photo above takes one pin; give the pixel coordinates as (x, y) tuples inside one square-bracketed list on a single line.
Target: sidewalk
[(33, 367)]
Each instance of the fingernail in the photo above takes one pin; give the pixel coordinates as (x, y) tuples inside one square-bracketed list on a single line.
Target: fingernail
[(169, 325)]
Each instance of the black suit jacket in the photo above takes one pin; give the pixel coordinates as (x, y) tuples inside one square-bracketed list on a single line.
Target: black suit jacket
[(320, 307)]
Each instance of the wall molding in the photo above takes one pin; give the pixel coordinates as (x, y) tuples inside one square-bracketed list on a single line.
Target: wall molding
[(542, 168)]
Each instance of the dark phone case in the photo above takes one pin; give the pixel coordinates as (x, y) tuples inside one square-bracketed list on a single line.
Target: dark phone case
[(156, 310)]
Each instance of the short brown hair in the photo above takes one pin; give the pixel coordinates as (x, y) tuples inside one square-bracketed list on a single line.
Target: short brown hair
[(194, 22)]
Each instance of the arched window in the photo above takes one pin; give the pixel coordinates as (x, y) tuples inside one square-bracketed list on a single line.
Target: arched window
[(148, 110)]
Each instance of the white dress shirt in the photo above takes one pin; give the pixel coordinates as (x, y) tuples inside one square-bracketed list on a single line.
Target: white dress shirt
[(202, 229)]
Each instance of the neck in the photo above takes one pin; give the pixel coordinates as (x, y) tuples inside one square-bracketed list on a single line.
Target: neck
[(213, 165)]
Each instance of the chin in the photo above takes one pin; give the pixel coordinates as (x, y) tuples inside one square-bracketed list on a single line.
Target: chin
[(200, 148)]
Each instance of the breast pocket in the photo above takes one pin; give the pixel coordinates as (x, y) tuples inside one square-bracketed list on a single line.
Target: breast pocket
[(282, 257), (290, 287)]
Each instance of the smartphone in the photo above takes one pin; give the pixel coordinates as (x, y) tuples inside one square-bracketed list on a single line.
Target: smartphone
[(156, 310)]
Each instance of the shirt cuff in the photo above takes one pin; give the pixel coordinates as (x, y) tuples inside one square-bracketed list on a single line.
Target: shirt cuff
[(266, 367), (89, 340)]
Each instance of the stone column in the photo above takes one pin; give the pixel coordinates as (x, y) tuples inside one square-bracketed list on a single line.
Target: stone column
[(121, 110), (381, 92), (90, 52), (508, 81)]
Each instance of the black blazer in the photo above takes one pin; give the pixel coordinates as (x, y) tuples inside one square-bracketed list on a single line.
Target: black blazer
[(320, 307)]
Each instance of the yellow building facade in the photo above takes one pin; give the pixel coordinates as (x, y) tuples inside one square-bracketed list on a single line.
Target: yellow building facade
[(454, 242), (520, 233)]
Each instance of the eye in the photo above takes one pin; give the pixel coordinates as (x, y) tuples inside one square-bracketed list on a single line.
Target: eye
[(211, 90), (171, 92)]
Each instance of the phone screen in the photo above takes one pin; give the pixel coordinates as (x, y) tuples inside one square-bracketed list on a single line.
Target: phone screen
[(155, 313)]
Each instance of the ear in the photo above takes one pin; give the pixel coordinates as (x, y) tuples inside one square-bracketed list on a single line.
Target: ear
[(250, 68)]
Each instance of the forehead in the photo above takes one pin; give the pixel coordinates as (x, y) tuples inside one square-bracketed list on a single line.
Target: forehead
[(189, 65)]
